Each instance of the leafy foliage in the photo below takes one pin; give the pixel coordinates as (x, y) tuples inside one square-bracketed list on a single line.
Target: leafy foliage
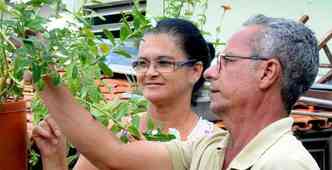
[(195, 11), (71, 53)]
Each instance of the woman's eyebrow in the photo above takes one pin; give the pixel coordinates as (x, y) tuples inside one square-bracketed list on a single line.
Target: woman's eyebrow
[(161, 57), (165, 57)]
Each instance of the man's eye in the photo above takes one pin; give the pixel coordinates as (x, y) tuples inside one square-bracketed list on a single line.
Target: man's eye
[(164, 63), (228, 59)]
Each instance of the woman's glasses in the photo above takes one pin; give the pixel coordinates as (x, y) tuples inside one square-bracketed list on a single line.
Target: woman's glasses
[(162, 66)]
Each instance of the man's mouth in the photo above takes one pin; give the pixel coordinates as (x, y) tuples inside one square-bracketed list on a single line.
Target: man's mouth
[(214, 91)]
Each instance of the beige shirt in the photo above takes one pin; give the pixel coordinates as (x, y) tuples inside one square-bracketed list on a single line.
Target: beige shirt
[(274, 148)]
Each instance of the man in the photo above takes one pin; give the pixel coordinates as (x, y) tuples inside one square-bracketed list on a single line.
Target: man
[(263, 70)]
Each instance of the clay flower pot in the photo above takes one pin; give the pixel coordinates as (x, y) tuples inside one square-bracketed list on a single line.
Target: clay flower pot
[(13, 136)]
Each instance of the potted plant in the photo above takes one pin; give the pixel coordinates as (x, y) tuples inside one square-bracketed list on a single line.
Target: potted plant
[(61, 45), (43, 37), (29, 42)]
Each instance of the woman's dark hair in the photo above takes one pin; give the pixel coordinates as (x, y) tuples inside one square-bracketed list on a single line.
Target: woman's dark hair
[(192, 43)]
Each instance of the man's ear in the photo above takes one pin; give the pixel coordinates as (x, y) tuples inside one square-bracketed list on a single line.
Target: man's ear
[(269, 73)]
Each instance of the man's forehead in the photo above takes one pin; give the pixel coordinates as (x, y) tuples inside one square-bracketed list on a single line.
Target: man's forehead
[(241, 41)]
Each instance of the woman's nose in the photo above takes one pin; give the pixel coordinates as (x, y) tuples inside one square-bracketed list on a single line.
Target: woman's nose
[(151, 70)]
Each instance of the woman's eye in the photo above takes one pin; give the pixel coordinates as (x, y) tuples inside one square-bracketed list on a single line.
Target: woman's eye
[(142, 63), (164, 63)]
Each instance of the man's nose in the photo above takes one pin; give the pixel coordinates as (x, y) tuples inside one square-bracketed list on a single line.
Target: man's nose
[(211, 73)]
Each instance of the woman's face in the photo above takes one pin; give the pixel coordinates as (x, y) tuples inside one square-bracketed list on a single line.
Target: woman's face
[(157, 84)]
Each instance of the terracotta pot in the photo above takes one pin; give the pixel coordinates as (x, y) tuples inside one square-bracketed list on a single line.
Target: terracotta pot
[(13, 136)]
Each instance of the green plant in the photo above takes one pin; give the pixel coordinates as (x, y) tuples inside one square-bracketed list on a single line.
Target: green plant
[(74, 55), (195, 11), (32, 41), (70, 54), (28, 43)]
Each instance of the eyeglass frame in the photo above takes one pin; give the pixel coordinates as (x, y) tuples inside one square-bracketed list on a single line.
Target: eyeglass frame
[(226, 57), (176, 65)]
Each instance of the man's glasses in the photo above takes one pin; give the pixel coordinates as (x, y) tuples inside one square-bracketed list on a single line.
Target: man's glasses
[(224, 59), (162, 66)]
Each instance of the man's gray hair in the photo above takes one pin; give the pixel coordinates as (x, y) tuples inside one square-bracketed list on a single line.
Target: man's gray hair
[(296, 48)]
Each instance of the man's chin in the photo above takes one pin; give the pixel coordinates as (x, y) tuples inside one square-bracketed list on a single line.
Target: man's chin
[(216, 109)]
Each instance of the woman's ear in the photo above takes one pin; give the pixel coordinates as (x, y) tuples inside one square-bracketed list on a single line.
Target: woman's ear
[(269, 73), (197, 71)]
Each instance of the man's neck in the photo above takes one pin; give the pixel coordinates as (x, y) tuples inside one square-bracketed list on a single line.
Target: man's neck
[(246, 124)]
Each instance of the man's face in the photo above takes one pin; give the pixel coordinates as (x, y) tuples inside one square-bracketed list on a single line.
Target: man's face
[(232, 79)]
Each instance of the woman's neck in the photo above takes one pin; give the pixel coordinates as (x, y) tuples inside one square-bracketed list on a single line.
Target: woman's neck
[(174, 115)]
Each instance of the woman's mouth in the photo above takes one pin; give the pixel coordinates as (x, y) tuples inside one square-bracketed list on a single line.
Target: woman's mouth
[(152, 84)]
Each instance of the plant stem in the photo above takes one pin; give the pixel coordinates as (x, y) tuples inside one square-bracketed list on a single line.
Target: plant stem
[(103, 112), (164, 6), (115, 121), (180, 9)]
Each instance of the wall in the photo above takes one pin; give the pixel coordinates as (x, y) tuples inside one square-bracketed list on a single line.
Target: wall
[(320, 12)]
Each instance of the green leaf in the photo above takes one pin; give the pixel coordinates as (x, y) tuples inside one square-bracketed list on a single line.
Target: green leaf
[(122, 52), (72, 159), (150, 123), (135, 121), (109, 36), (36, 72), (115, 129), (36, 24), (162, 137), (21, 63), (106, 70), (120, 110), (134, 131), (88, 32), (139, 18), (39, 110), (124, 138), (74, 73), (102, 118), (3, 6), (124, 31), (39, 85), (34, 157), (56, 79), (84, 92), (94, 94), (97, 1)]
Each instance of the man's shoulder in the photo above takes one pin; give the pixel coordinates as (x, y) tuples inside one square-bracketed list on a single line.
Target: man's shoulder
[(288, 144), (200, 153), (289, 152)]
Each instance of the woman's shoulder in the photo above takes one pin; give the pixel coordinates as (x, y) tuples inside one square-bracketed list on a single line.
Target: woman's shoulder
[(202, 128)]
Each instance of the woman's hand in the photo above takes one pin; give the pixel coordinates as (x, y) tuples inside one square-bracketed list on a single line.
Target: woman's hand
[(51, 143)]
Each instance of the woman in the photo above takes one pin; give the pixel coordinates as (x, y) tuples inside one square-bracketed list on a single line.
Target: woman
[(171, 59)]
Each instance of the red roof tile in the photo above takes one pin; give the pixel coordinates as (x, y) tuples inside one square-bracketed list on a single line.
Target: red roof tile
[(112, 88)]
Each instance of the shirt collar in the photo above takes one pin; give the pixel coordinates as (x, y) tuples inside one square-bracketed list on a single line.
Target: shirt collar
[(261, 143)]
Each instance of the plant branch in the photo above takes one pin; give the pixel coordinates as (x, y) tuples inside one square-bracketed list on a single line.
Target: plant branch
[(180, 9), (115, 121)]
